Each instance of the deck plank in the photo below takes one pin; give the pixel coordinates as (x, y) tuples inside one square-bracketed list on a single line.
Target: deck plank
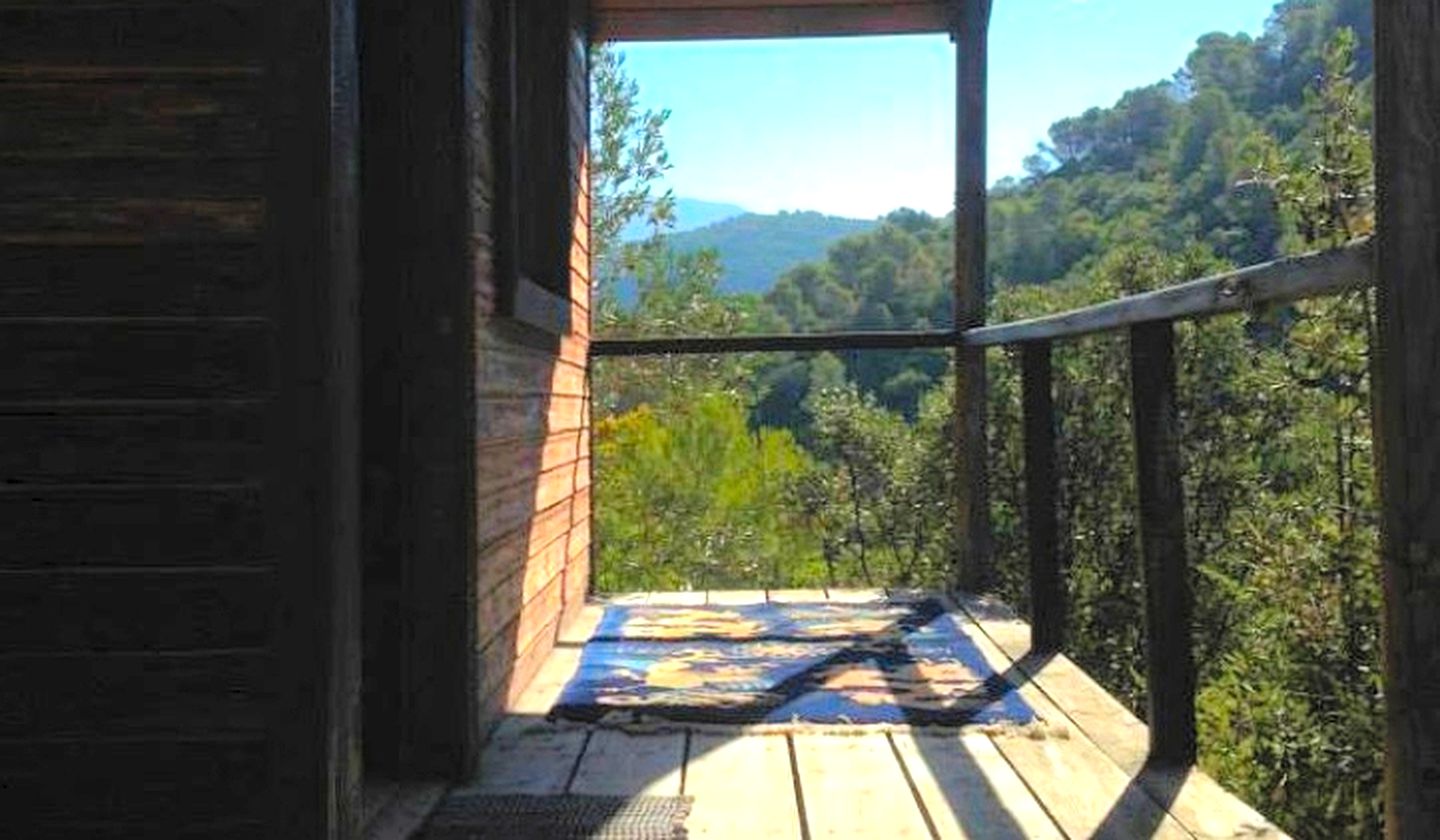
[(1086, 793), (1082, 788), (1196, 800), (579, 631), (855, 596), (854, 787), (795, 596), (743, 787), (540, 696), (523, 757), (618, 764), (735, 597), (970, 791), (677, 599)]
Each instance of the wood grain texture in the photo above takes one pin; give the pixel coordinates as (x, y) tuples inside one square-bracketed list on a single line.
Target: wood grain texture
[(201, 445), (742, 788), (973, 544), (618, 764), (774, 20), (135, 786), (89, 611), (70, 359), (1058, 689), (1169, 647), (141, 118), (524, 756), (1284, 280), (1407, 146), (152, 279), (213, 33), (1047, 583), (175, 695), (154, 526), (855, 787), (969, 790)]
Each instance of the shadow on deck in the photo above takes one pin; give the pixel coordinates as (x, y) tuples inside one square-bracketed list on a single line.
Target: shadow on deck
[(1086, 778)]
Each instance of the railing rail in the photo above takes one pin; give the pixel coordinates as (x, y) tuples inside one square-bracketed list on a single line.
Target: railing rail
[(1149, 319), (1289, 279)]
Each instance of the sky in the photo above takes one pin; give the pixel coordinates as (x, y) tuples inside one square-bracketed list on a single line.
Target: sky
[(860, 126)]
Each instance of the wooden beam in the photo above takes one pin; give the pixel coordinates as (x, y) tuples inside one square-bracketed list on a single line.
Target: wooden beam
[(1289, 279), (312, 491), (680, 20), (972, 504), (1169, 660), (1407, 145), (819, 342), (1047, 586)]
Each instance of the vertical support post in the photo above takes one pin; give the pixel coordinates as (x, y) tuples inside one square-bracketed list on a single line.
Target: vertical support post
[(1169, 660), (1407, 410), (1047, 587), (972, 503), (313, 438)]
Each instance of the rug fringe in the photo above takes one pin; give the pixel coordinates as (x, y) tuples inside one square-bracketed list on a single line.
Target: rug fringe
[(633, 724)]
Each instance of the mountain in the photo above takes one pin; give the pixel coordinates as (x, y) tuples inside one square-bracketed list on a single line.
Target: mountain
[(755, 249), (690, 213)]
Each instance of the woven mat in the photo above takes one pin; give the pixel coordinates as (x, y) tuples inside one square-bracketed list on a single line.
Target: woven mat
[(789, 667), (519, 817)]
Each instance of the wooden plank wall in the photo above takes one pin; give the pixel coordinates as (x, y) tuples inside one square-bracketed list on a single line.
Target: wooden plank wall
[(137, 585), (532, 460)]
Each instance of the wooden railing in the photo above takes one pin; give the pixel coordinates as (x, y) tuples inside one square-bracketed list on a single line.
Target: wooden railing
[(1149, 320)]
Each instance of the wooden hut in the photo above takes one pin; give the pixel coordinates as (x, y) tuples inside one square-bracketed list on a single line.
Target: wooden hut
[(294, 298)]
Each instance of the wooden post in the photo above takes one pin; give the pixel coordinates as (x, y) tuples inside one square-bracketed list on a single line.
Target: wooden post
[(1169, 660), (1047, 587), (313, 437), (972, 503), (1407, 411)]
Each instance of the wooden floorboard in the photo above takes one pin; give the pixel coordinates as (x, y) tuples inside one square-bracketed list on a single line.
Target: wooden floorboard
[(854, 787), (1193, 798), (527, 756), (676, 599), (795, 596), (970, 791), (743, 788), (1079, 779), (619, 764), (735, 597)]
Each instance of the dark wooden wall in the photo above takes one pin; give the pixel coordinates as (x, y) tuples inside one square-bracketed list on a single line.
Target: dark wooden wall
[(172, 470), (137, 589), (475, 427)]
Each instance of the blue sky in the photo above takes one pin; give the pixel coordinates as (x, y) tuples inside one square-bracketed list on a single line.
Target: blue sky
[(859, 126)]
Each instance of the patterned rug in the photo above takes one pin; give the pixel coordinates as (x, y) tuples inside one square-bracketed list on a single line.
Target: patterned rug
[(820, 663)]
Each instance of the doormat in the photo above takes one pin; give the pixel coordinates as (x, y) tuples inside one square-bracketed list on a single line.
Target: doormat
[(764, 665), (570, 817)]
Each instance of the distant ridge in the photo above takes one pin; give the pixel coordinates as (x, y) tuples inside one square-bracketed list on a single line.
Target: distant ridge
[(755, 249), (690, 213)]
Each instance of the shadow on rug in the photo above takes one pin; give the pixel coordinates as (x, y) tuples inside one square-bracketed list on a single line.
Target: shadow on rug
[(788, 664)]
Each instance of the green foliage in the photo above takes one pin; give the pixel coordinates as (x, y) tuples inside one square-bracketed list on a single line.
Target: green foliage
[(627, 156), (757, 248), (693, 498)]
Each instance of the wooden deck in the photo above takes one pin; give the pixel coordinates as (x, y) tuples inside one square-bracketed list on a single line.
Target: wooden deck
[(1088, 781)]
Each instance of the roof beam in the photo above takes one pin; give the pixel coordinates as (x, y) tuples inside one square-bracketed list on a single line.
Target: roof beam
[(673, 20)]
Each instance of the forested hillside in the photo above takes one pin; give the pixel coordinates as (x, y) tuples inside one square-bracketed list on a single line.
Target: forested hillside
[(793, 470), (756, 248)]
